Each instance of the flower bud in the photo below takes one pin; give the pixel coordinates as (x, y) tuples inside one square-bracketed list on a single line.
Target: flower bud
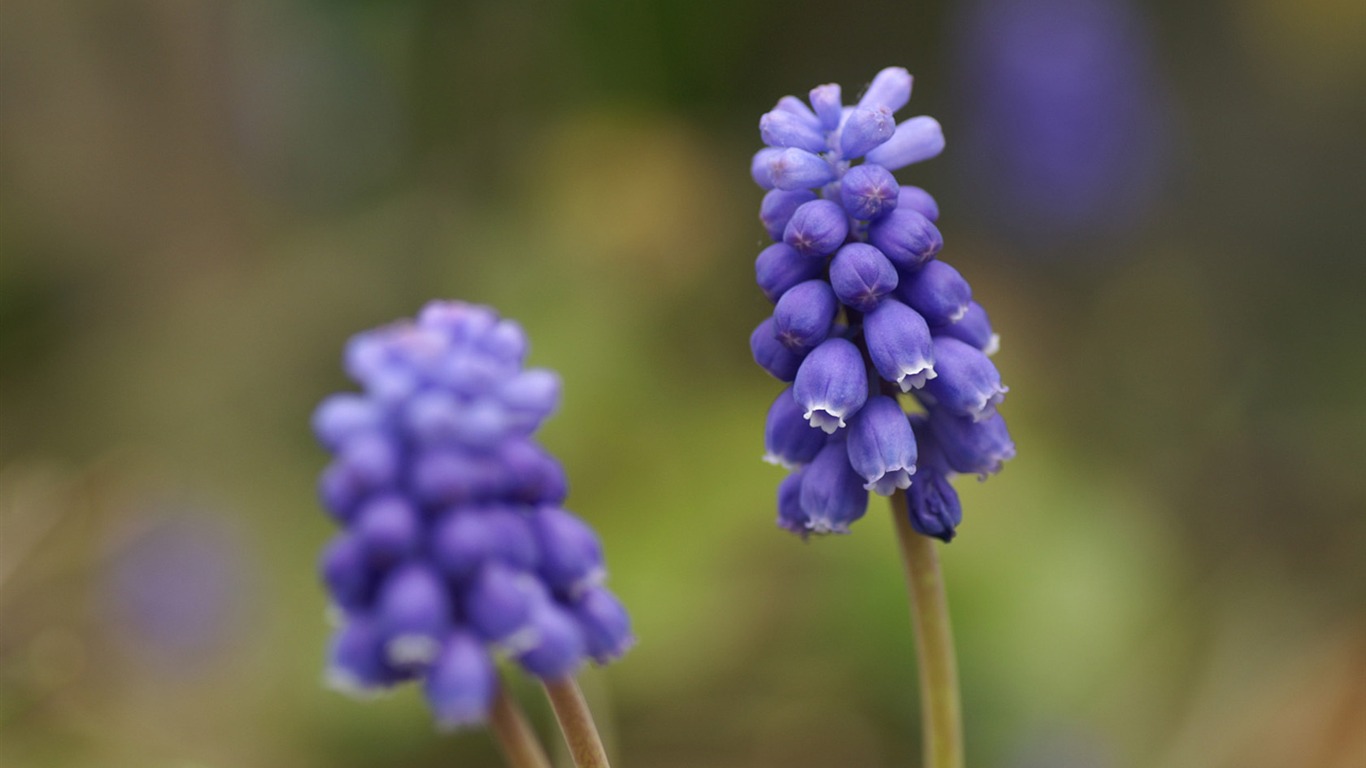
[(387, 528), (919, 200), (761, 167), (771, 355), (804, 314), (868, 191), (967, 383), (571, 556), (462, 682), (785, 129), (356, 664), (499, 602), (970, 447), (826, 101), (604, 623), (861, 276), (778, 206), (789, 441), (933, 505), (890, 89), (973, 328), (832, 494), (791, 516), (881, 446), (414, 613), (917, 139), (531, 475), (371, 459), (529, 398), (864, 130), (797, 108), (899, 345), (817, 228), (343, 416), (938, 292), (348, 574), (779, 267), (906, 237), (559, 648), (831, 384), (796, 169)]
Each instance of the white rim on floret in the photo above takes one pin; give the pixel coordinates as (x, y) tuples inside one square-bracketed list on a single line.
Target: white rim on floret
[(985, 407), (892, 480), (405, 650), (959, 314), (993, 345), (778, 461), (915, 375), (828, 419), (822, 527)]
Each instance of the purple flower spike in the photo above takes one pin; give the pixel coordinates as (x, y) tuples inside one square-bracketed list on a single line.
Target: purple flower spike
[(789, 441), (918, 200), (967, 384), (461, 684), (817, 228), (890, 89), (906, 237), (797, 169), (454, 544), (832, 494), (825, 99), (779, 267), (900, 345), (785, 129), (831, 384), (973, 328), (560, 647), (772, 355), (778, 206), (973, 448), (937, 292), (868, 191), (805, 314), (865, 130), (861, 276), (914, 141), (882, 447), (605, 625), (791, 516)]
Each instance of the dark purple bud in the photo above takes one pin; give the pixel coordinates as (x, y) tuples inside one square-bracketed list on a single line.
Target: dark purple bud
[(370, 459), (917, 139), (414, 614), (344, 416), (973, 328), (967, 383), (559, 648), (817, 228), (906, 237), (861, 276), (778, 206), (864, 130), (789, 441), (347, 572), (918, 199), (933, 505), (791, 516), (605, 626), (387, 528), (891, 89), (460, 543), (900, 345), (461, 683), (882, 447), (356, 664), (798, 169), (779, 267), (771, 355), (446, 477), (499, 602), (826, 101), (803, 316), (784, 129), (571, 556), (970, 447), (761, 167), (832, 494), (340, 490), (831, 384), (938, 292), (531, 475), (868, 191), (529, 398)]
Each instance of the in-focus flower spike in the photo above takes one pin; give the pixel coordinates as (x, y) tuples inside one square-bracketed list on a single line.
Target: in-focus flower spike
[(840, 218), (967, 383), (456, 545), (831, 384), (937, 292), (882, 447)]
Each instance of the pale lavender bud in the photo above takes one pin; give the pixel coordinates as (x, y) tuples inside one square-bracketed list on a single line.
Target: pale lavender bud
[(343, 416), (890, 89), (529, 398), (799, 169), (918, 199), (915, 140), (531, 475), (861, 276), (864, 130), (826, 101), (796, 107), (785, 129), (356, 665), (761, 167), (899, 345)]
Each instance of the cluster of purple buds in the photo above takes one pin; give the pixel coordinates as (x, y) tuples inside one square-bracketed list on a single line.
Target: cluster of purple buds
[(865, 313), (455, 548)]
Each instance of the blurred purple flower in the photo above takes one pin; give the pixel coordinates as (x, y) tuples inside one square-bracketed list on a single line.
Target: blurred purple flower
[(1062, 116)]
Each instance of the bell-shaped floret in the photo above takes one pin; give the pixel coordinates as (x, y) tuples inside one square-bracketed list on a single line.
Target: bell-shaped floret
[(831, 384), (414, 613), (356, 665), (791, 516), (832, 494), (860, 276), (498, 604), (906, 237), (817, 228), (559, 648), (972, 447), (938, 292), (917, 139), (571, 555), (789, 441), (805, 314), (881, 446), (900, 345), (967, 383), (605, 625), (462, 682), (973, 328)]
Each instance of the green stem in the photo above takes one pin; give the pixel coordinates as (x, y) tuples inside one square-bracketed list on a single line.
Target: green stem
[(576, 721), (515, 736), (941, 714)]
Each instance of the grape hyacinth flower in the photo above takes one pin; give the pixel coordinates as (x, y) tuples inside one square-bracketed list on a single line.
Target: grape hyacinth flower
[(892, 389), (455, 548)]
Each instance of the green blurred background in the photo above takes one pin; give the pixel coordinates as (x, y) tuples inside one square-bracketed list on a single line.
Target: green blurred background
[(1160, 203)]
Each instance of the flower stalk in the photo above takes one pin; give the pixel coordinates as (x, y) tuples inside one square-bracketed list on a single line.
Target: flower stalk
[(940, 708), (576, 721), (514, 734)]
